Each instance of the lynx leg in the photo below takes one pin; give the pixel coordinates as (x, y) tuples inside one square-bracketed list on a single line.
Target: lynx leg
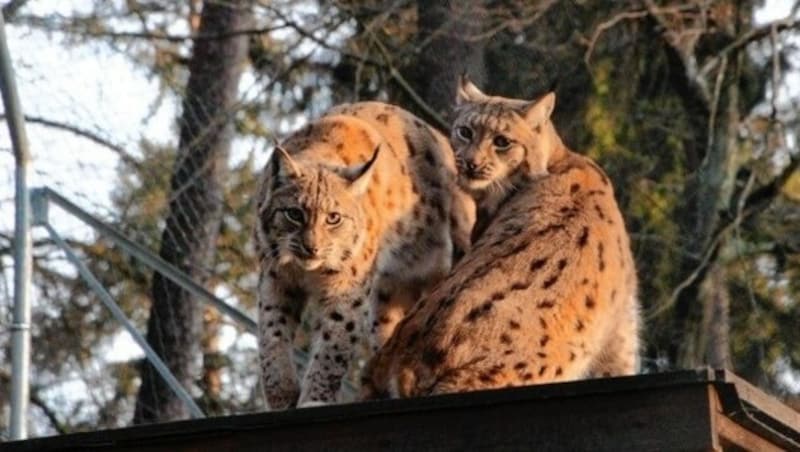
[(620, 354), (388, 305), (332, 350), (276, 326)]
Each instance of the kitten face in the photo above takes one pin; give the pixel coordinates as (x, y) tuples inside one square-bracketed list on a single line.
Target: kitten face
[(493, 137), (486, 152)]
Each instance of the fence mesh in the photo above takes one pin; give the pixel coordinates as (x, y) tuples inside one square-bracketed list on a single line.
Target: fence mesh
[(102, 94)]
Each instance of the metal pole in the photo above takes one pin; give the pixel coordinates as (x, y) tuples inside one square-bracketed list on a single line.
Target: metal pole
[(107, 300), (20, 325)]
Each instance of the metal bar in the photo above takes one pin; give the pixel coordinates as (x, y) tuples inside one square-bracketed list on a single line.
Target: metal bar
[(106, 298), (155, 262), (20, 325)]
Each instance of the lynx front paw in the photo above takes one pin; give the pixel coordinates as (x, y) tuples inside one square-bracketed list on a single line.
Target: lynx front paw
[(282, 395), (311, 404)]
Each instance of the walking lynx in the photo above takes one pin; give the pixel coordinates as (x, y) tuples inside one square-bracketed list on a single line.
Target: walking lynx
[(548, 291), (355, 219)]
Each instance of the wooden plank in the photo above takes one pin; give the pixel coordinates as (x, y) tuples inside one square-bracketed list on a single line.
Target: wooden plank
[(756, 411), (734, 436)]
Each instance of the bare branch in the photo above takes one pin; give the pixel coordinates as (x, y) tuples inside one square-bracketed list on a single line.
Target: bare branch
[(37, 400), (68, 28), (690, 65), (182, 38), (124, 155), (627, 15), (752, 35), (398, 77), (10, 9), (320, 42), (755, 202)]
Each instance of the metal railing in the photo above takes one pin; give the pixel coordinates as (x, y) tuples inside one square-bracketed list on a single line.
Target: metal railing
[(42, 198)]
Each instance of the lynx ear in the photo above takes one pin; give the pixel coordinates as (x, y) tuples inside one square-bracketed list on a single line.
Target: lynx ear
[(467, 91), (361, 175), (284, 163), (539, 111)]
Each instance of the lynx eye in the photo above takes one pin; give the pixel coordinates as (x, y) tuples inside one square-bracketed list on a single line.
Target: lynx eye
[(333, 219), (464, 132), (294, 215), (501, 142)]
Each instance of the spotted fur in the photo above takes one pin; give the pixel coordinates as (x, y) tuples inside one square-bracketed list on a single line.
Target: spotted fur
[(548, 291), (356, 218)]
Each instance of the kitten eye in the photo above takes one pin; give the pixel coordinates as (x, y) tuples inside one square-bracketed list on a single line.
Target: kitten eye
[(465, 133), (333, 218), (501, 143), (294, 215)]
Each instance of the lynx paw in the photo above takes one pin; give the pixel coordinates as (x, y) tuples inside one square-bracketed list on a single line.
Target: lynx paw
[(311, 404)]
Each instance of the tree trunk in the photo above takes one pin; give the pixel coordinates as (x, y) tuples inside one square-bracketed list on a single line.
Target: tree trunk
[(713, 193), (194, 206), (717, 325), (213, 362), (709, 198), (447, 48)]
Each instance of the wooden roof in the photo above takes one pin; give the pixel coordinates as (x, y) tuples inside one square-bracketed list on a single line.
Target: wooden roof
[(684, 410)]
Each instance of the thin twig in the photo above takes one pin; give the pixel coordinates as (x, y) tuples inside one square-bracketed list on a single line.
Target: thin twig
[(602, 27), (776, 71), (714, 108)]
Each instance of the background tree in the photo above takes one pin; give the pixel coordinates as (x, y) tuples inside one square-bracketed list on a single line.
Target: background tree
[(195, 206)]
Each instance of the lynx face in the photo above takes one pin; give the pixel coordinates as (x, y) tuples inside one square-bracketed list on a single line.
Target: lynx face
[(494, 137), (315, 214)]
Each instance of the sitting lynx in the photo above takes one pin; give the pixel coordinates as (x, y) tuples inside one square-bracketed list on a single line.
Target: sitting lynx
[(355, 212), (547, 292)]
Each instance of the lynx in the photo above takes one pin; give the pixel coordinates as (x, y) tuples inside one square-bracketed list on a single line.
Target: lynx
[(548, 291), (358, 213)]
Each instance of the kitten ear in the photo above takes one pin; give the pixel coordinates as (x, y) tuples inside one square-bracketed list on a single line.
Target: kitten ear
[(467, 91), (284, 163), (539, 110), (361, 175)]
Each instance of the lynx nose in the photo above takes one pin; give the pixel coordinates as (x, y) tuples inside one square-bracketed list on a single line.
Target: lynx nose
[(309, 250), (471, 166)]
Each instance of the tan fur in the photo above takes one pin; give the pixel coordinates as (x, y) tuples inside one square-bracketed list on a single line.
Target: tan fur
[(356, 218), (548, 291)]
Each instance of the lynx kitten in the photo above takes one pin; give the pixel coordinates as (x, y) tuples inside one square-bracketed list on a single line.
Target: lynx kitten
[(548, 291)]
